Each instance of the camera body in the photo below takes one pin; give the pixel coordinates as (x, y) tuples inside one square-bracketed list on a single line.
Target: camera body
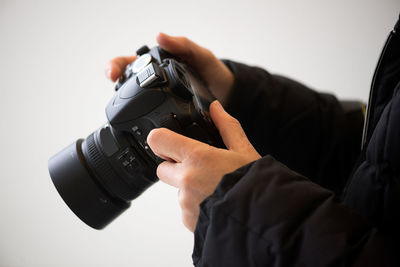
[(98, 176)]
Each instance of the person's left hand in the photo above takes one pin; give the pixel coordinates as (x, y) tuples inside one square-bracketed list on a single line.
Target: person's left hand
[(196, 168)]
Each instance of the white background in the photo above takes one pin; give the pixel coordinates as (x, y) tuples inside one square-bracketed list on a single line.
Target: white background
[(53, 91)]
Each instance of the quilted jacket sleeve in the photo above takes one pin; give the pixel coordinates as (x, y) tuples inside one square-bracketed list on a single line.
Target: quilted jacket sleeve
[(264, 214), (306, 130)]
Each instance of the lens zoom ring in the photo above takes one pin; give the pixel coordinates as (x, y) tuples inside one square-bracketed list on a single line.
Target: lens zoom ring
[(104, 171)]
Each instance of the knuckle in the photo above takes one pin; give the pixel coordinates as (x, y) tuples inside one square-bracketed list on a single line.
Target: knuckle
[(234, 122), (196, 153), (189, 47), (184, 201), (186, 181), (186, 221), (185, 40), (200, 152)]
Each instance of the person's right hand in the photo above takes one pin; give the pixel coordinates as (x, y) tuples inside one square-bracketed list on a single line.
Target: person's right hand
[(213, 71), (196, 168)]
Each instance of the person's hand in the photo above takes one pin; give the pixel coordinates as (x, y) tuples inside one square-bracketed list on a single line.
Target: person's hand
[(196, 168), (213, 71), (116, 67)]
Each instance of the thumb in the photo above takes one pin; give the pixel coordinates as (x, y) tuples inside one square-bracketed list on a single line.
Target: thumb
[(229, 128), (178, 46), (190, 52)]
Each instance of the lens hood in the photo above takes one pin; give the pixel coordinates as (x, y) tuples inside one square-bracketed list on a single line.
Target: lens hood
[(79, 189)]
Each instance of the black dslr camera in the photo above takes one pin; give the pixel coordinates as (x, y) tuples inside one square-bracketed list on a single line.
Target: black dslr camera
[(98, 176)]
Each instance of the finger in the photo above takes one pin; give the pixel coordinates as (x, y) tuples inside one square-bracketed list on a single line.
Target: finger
[(229, 128), (184, 48), (189, 219), (167, 172), (169, 144), (115, 67), (178, 46), (164, 157), (190, 209)]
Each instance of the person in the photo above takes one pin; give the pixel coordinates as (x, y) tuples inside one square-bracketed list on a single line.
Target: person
[(297, 190)]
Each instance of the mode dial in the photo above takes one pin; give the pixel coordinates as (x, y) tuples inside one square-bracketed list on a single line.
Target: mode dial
[(143, 50)]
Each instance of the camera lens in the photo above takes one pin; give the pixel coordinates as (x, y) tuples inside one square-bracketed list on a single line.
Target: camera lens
[(80, 190)]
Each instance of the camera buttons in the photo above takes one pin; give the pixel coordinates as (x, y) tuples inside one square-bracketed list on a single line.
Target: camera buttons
[(148, 75), (128, 160), (141, 62), (142, 50)]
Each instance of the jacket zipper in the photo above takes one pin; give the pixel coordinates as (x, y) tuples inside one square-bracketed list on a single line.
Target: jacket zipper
[(372, 96)]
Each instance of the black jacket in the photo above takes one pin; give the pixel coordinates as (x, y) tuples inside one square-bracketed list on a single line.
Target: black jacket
[(268, 213)]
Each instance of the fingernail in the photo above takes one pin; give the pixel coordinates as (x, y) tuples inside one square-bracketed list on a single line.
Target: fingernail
[(218, 104)]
